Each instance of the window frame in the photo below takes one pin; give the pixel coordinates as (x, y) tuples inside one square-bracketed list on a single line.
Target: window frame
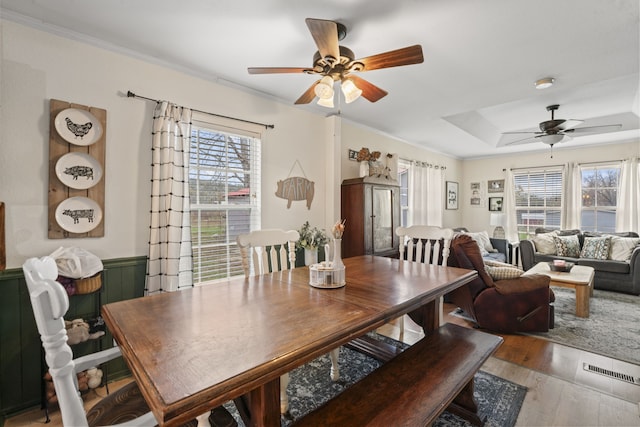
[(544, 210), (231, 265), (596, 208)]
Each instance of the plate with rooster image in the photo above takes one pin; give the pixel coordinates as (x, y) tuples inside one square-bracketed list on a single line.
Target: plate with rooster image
[(78, 127)]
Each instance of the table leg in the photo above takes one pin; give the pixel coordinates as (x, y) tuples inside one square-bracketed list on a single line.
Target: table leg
[(261, 406), (427, 316), (583, 294)]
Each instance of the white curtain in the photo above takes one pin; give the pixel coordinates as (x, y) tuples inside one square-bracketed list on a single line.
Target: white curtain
[(572, 194), (169, 264), (426, 194), (509, 206), (628, 207)]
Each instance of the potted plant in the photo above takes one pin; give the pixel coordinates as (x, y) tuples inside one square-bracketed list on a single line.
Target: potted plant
[(310, 239)]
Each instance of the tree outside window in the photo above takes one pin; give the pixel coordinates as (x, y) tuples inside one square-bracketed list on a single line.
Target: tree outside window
[(599, 197)]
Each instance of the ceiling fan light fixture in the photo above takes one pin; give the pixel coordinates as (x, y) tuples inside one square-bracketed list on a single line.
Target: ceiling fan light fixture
[(326, 102), (545, 83), (350, 90), (324, 88), (551, 138)]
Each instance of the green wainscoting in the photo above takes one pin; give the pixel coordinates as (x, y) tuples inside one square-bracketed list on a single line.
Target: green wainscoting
[(20, 348)]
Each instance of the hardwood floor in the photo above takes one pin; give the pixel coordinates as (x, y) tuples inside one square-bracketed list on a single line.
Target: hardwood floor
[(560, 392)]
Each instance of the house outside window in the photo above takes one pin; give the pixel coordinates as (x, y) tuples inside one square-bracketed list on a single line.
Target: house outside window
[(224, 186), (599, 187), (538, 197)]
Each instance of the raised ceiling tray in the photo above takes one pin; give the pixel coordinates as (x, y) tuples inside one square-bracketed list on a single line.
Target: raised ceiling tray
[(78, 127), (78, 214), (78, 170)]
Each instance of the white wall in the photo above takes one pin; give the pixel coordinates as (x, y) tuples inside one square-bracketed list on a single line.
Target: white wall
[(355, 137), (477, 218), (38, 66)]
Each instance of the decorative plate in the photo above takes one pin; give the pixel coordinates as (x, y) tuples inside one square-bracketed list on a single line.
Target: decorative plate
[(78, 170), (78, 214), (78, 127)]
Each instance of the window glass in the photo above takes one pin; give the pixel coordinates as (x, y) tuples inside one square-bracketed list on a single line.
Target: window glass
[(599, 187), (224, 185), (538, 197)]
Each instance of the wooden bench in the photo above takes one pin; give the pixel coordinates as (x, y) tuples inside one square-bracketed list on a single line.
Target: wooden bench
[(415, 387)]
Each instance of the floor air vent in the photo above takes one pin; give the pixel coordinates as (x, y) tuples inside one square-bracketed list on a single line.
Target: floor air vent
[(612, 374)]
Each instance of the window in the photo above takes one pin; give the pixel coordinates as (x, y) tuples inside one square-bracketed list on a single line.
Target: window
[(599, 197), (224, 188), (538, 196), (403, 179)]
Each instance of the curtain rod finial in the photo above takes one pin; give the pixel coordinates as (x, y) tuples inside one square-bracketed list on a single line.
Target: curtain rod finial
[(130, 94)]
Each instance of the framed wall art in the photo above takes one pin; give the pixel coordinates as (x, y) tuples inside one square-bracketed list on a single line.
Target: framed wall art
[(495, 186), (452, 195), (495, 204)]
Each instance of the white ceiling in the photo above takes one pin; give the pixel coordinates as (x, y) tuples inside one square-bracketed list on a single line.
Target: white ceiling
[(481, 58)]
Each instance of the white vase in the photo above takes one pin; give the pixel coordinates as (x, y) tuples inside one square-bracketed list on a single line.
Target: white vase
[(336, 260), (310, 256), (364, 169)]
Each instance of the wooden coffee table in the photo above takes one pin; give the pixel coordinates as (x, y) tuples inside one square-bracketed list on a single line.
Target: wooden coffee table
[(579, 278)]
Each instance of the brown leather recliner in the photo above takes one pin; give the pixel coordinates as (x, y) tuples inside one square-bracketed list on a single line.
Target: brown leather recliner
[(510, 305)]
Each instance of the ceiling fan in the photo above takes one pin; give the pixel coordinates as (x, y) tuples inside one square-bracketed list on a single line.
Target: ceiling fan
[(336, 63), (558, 130)]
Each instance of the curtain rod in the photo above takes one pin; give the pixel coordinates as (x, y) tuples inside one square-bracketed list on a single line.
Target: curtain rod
[(534, 167), (133, 95), (554, 166)]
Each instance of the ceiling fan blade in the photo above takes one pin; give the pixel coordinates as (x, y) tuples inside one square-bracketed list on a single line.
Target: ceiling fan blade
[(569, 124), (325, 34), (523, 141), (277, 70), (308, 96), (522, 132), (394, 58), (370, 91), (593, 129)]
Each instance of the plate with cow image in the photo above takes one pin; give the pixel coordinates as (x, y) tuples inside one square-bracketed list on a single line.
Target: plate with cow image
[(78, 214), (78, 127), (78, 170)]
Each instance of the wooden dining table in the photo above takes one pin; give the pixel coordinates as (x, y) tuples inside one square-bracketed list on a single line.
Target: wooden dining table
[(192, 350)]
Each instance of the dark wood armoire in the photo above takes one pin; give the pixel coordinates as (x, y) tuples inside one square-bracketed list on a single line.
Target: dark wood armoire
[(371, 207)]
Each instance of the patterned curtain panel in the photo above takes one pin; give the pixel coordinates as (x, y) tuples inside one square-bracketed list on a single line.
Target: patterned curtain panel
[(628, 208), (169, 264)]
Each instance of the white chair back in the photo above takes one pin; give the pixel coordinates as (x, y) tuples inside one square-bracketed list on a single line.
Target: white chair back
[(50, 303), (267, 250), (426, 244)]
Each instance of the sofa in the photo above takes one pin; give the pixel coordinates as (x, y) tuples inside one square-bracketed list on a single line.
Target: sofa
[(491, 248), (615, 257)]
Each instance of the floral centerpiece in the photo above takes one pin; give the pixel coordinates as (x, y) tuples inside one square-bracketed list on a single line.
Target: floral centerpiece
[(310, 239)]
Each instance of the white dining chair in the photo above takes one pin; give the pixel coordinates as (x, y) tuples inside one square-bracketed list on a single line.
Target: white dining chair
[(267, 251), (428, 245), (50, 302)]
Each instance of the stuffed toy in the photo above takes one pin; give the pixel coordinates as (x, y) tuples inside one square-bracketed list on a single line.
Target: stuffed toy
[(94, 377), (50, 390), (77, 331)]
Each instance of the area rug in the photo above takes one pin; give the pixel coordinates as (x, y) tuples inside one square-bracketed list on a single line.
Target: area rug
[(612, 328), (498, 399)]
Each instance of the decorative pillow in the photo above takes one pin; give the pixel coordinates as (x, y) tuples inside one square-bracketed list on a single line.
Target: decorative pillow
[(482, 239), (596, 247), (500, 273), (494, 263), (544, 243), (568, 246), (622, 247)]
